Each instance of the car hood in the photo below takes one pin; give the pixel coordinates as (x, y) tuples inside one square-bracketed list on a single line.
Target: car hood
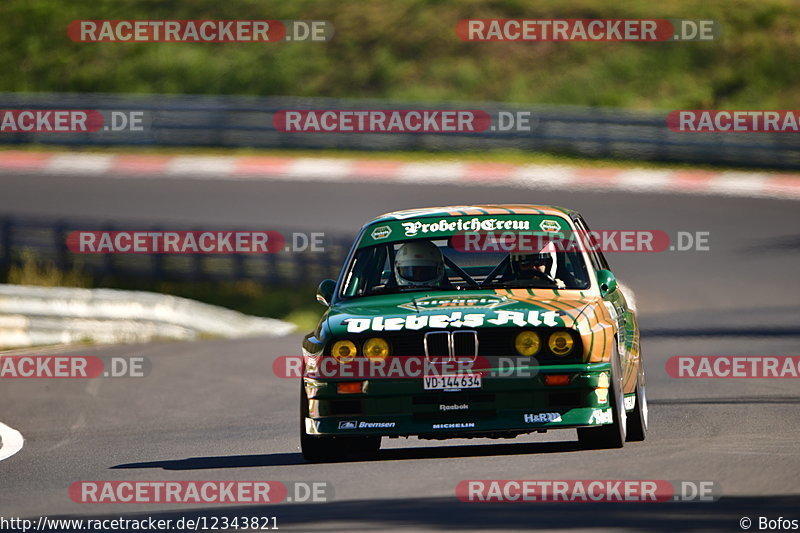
[(459, 309)]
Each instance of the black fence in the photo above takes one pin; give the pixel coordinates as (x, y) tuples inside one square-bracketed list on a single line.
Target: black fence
[(238, 121), (45, 241)]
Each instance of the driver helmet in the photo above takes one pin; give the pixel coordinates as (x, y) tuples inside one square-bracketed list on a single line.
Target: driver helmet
[(522, 262), (419, 263)]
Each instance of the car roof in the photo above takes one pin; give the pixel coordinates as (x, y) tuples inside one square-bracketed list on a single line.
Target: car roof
[(473, 210)]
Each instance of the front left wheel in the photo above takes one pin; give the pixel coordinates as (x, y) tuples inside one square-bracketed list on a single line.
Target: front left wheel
[(610, 435), (638, 417)]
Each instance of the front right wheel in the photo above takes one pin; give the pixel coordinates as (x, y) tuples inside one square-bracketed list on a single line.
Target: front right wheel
[(328, 449)]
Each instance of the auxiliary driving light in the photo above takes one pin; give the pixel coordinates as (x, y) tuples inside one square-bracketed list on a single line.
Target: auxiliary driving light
[(350, 387), (527, 343), (560, 343), (344, 351), (556, 380), (376, 349)]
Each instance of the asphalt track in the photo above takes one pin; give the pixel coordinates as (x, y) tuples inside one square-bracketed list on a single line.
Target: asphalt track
[(212, 410)]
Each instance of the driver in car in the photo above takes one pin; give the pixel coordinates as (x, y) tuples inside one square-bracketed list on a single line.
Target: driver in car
[(540, 265), (420, 264)]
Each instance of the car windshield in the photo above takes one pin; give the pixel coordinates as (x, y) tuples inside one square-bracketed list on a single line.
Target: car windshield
[(425, 264)]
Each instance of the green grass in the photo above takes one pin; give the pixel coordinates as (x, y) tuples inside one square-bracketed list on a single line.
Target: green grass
[(409, 51)]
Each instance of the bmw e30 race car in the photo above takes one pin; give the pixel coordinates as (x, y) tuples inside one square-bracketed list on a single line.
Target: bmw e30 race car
[(471, 321)]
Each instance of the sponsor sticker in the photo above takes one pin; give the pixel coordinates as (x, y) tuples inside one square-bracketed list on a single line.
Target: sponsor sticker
[(433, 302), (456, 319), (381, 232), (550, 225), (542, 417), (601, 416), (472, 224), (454, 407)]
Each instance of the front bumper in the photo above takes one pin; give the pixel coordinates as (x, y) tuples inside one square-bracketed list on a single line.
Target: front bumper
[(512, 405)]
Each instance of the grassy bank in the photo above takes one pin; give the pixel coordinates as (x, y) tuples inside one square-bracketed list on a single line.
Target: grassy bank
[(409, 50)]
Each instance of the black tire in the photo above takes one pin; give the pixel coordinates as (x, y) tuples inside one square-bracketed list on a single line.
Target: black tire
[(609, 435), (638, 417), (327, 449)]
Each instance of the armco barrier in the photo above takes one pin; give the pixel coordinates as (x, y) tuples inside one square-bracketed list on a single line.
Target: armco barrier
[(45, 239), (238, 121), (31, 316)]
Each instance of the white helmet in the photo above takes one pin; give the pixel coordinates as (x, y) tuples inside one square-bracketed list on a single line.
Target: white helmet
[(546, 256), (418, 263)]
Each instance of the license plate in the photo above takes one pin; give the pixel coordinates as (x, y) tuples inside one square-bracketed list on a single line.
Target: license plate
[(456, 381)]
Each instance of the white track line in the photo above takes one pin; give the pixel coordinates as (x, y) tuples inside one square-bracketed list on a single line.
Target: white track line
[(12, 441)]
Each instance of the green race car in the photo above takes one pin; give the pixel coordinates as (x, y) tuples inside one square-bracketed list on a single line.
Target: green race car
[(471, 321)]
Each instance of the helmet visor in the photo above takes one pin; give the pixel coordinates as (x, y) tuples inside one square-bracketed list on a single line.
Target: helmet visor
[(418, 272)]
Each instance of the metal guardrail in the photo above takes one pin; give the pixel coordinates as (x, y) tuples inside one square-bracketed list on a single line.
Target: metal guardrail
[(45, 240), (240, 121)]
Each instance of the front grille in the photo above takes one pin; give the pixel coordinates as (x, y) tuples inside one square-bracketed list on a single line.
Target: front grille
[(465, 343), (565, 399), (437, 344), (453, 397), (456, 416), (345, 407)]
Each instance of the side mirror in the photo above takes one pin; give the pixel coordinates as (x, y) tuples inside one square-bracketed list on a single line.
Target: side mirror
[(607, 282), (325, 292)]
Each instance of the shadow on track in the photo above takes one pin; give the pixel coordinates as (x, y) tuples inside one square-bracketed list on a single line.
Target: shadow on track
[(451, 514), (722, 401), (391, 454)]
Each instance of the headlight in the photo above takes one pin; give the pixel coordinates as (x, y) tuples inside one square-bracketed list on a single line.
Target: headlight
[(376, 349), (344, 351), (560, 343), (527, 343)]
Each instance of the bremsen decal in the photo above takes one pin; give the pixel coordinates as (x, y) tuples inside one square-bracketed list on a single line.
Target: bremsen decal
[(376, 425), (472, 224), (353, 424), (456, 319)]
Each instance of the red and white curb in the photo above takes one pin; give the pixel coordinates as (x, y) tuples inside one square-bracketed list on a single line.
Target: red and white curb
[(11, 441), (697, 182)]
